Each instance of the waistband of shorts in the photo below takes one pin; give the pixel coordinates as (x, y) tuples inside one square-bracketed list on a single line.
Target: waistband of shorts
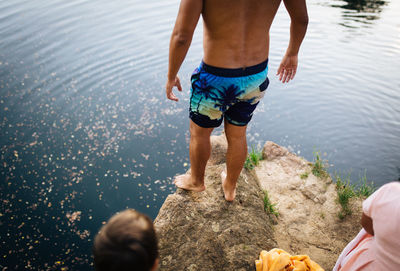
[(238, 72)]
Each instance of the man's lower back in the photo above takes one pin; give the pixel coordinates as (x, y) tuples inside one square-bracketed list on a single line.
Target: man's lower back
[(236, 32)]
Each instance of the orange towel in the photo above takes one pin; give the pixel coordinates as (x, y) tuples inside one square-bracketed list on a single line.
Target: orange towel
[(279, 260)]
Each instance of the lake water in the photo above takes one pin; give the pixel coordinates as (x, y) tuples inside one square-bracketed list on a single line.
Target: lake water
[(86, 130)]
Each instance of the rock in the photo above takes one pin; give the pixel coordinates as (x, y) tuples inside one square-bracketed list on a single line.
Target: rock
[(219, 145), (272, 151), (201, 231), (314, 189), (308, 222)]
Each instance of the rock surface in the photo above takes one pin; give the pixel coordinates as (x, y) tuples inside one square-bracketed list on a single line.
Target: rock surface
[(308, 221), (201, 231)]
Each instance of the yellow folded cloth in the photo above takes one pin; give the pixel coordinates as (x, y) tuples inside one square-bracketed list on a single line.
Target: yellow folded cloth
[(279, 260)]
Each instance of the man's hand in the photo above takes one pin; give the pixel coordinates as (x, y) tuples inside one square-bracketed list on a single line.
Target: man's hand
[(168, 88), (297, 10), (287, 69), (185, 24)]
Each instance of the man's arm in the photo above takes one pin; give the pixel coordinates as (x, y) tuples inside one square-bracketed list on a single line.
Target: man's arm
[(188, 16), (367, 224), (297, 10)]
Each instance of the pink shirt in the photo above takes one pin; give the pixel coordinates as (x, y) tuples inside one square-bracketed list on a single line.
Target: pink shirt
[(381, 251)]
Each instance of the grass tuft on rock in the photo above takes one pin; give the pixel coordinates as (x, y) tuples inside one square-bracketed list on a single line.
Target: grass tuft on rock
[(304, 175), (365, 189), (346, 191), (269, 207), (253, 159), (319, 167)]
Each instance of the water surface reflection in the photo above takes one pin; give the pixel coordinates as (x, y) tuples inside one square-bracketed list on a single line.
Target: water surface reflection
[(360, 13)]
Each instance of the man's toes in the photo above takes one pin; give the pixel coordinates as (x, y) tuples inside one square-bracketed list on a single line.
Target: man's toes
[(178, 179), (178, 182)]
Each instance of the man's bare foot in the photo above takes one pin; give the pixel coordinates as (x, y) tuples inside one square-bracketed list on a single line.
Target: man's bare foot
[(185, 182), (229, 190)]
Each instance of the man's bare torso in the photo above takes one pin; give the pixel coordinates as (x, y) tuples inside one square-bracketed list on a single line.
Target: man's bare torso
[(236, 32)]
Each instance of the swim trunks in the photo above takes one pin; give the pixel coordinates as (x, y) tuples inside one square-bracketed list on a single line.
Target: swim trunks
[(231, 93)]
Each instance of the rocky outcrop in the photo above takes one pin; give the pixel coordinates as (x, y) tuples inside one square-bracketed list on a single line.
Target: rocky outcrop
[(308, 221), (201, 231)]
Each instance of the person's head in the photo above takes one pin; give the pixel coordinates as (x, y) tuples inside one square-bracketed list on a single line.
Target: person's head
[(126, 242)]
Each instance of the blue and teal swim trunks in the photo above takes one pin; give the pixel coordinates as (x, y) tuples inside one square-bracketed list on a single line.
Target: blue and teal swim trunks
[(231, 93)]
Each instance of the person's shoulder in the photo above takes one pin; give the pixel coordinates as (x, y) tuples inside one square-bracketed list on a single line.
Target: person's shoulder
[(391, 190), (386, 194), (393, 187)]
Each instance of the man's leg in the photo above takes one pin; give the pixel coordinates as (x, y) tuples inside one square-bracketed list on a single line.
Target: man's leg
[(235, 158), (199, 152)]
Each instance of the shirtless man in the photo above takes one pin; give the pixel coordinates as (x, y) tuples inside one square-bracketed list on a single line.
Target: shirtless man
[(232, 77)]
